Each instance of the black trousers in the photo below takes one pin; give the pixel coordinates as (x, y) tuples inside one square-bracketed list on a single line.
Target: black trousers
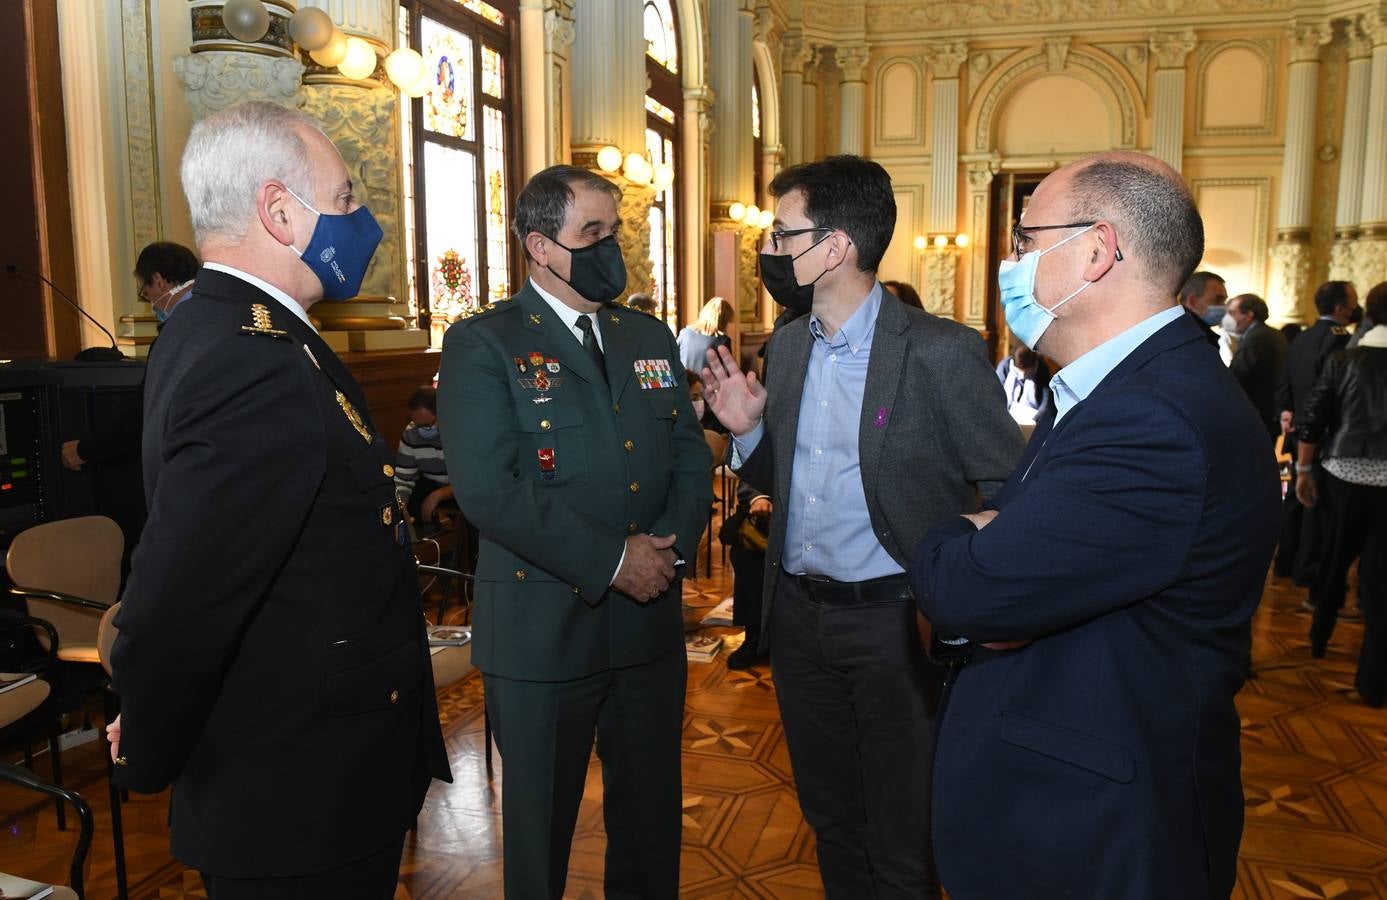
[(1357, 517), (748, 581), (852, 681), (372, 878), (1303, 541), (545, 731)]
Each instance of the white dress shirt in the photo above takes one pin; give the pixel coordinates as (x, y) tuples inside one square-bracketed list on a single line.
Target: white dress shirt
[(284, 299)]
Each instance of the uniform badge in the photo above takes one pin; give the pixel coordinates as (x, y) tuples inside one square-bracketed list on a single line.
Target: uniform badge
[(552, 365), (353, 417), (615, 319), (387, 514), (654, 374), (541, 381), (534, 318), (520, 365), (1339, 331), (312, 358), (261, 323), (548, 463), (536, 359)]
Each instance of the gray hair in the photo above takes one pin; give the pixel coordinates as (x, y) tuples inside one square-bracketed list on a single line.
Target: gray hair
[(544, 201), (230, 154)]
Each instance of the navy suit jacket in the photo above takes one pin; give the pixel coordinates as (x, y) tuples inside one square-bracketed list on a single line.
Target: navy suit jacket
[(1131, 546)]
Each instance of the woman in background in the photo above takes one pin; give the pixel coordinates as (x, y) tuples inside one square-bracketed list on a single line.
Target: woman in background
[(709, 332)]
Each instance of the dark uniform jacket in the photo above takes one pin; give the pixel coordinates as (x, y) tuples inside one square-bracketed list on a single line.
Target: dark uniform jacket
[(555, 467), (933, 436), (1258, 366), (1304, 359), (272, 660)]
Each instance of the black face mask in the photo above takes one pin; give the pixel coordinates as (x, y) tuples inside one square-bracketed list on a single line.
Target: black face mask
[(597, 272), (1356, 316), (778, 275)]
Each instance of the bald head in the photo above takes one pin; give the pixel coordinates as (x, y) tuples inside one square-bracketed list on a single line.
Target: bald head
[(1158, 227)]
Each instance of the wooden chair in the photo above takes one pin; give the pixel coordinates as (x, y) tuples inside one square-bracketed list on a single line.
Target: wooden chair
[(105, 640)]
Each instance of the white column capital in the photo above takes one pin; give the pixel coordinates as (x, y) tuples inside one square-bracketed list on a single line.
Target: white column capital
[(558, 22), (852, 59), (1172, 48), (1373, 24), (980, 174), (1306, 39), (795, 53), (944, 57)]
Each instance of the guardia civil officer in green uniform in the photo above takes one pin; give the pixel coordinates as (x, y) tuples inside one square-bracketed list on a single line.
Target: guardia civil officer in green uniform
[(272, 661), (577, 455)]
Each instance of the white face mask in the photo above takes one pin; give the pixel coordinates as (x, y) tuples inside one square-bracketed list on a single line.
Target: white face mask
[(699, 406), (1230, 325)]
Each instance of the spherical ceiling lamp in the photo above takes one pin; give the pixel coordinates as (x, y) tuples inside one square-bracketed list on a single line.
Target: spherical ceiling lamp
[(961, 240), (767, 217), (737, 211), (311, 28), (246, 20), (422, 86), (333, 52), (609, 158), (664, 176), (636, 170), (753, 215), (404, 67), (941, 241), (360, 60), (919, 242)]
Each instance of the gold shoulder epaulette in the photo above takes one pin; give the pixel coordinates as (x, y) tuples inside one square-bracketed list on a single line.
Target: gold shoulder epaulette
[(1339, 331), (261, 323)]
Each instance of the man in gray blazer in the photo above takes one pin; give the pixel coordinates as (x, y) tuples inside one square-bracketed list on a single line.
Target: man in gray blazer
[(1260, 360), (877, 422)]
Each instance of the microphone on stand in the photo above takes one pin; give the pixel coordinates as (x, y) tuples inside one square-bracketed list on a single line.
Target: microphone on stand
[(91, 354)]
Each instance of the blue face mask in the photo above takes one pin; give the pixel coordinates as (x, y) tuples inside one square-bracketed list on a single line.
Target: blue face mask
[(1026, 318), (427, 432), (340, 249), (162, 312)]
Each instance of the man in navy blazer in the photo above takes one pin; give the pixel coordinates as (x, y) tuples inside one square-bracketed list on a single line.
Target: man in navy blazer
[(1089, 742)]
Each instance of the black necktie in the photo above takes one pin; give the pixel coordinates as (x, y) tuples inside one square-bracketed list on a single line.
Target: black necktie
[(590, 344)]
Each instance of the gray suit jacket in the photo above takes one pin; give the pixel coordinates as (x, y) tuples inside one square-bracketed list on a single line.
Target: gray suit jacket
[(933, 433)]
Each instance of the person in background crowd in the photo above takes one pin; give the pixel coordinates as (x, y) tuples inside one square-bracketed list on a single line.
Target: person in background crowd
[(1300, 549), (1026, 381), (271, 659), (705, 415), (905, 293), (421, 474), (644, 303), (1198, 294), (1368, 322), (1344, 425), (1090, 745), (710, 331), (1260, 360)]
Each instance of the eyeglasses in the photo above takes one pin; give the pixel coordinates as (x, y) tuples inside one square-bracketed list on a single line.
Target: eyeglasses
[(778, 236), (1021, 233)]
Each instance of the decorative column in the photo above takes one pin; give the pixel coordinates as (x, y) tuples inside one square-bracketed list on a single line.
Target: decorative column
[(809, 106), (794, 53), (1290, 282), (1351, 155), (695, 136), (980, 175), (361, 119), (546, 33), (221, 71), (609, 108), (1170, 51), (939, 282), (852, 98), (1371, 263), (731, 32)]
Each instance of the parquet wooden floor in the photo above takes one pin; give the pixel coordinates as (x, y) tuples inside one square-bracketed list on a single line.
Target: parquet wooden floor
[(1315, 776)]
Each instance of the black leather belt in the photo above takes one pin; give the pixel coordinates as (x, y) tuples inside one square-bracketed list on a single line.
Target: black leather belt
[(822, 589)]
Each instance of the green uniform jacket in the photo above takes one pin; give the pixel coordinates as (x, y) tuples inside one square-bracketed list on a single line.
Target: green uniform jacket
[(555, 468)]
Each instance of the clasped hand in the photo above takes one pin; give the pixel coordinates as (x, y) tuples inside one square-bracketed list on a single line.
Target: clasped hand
[(648, 568)]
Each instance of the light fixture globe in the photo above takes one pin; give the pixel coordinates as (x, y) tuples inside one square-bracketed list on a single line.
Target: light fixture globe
[(311, 28), (664, 176), (636, 169), (246, 20), (609, 158), (737, 211), (360, 60), (422, 86), (766, 218), (333, 52), (941, 241), (919, 242), (404, 67)]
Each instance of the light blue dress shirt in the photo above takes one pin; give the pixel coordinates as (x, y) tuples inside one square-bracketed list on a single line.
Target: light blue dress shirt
[(1077, 380), (828, 529)]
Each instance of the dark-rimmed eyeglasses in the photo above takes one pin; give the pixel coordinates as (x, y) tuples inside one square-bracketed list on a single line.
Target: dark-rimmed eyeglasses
[(778, 236), (1021, 233)]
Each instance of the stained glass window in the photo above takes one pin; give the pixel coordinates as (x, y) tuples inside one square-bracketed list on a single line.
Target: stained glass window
[(659, 109), (491, 73), (497, 206), (459, 158), (660, 43), (448, 106)]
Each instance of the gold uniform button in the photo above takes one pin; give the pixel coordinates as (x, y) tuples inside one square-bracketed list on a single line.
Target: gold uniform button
[(394, 697), (573, 589), (545, 425), (121, 761), (616, 408), (388, 470), (635, 487), (519, 574), (674, 413), (631, 528), (629, 445)]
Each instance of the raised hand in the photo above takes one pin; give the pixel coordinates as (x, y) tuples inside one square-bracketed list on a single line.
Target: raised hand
[(738, 399)]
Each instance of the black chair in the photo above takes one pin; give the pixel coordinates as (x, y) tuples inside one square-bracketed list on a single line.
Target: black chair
[(27, 779)]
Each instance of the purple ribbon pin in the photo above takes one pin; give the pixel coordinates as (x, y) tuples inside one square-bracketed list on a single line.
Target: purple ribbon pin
[(881, 417)]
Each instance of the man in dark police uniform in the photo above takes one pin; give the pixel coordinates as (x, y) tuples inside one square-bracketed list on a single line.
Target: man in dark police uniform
[(272, 660), (577, 454)]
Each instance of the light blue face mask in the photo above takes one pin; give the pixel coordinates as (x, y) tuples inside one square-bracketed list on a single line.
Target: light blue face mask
[(1026, 318)]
